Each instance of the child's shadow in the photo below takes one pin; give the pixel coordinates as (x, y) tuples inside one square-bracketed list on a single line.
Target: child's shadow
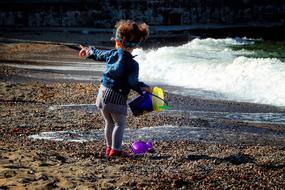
[(237, 159)]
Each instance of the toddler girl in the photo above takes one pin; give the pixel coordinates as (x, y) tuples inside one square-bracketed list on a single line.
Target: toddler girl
[(120, 76)]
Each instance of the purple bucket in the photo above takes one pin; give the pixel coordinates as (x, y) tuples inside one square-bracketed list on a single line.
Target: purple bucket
[(141, 104)]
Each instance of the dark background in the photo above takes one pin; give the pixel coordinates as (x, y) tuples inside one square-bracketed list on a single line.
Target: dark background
[(104, 14), (167, 18)]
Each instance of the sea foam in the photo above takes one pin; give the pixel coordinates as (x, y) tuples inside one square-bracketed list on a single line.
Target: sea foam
[(211, 65)]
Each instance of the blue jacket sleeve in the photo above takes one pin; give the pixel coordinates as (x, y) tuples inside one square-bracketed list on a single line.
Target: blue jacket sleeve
[(98, 55), (133, 80)]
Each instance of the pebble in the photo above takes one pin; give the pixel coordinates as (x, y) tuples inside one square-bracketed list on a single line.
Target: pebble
[(8, 173)]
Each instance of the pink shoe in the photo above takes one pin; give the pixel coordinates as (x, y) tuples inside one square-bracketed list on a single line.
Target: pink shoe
[(114, 153), (108, 150)]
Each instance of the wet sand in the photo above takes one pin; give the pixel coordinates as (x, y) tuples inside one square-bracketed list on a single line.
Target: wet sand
[(216, 161)]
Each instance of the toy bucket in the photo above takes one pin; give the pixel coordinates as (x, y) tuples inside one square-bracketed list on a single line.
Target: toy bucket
[(148, 102), (141, 104)]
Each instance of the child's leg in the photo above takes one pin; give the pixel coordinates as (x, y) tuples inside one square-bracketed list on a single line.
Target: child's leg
[(118, 132), (109, 127)]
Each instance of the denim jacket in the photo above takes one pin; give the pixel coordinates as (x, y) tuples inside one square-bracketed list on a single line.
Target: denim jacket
[(122, 71)]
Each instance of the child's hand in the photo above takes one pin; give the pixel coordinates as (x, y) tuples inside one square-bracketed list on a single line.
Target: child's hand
[(148, 89), (83, 51)]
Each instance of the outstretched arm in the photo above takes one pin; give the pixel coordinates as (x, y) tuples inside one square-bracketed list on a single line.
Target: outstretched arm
[(93, 53)]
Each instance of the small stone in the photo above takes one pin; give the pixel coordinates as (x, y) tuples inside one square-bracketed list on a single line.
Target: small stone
[(26, 180), (9, 173), (179, 183), (44, 164), (43, 177), (30, 172)]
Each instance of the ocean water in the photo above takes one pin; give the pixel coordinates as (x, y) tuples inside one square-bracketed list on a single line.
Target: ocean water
[(238, 69)]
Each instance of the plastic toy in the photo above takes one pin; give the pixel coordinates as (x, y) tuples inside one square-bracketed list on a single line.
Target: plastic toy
[(148, 102), (141, 147)]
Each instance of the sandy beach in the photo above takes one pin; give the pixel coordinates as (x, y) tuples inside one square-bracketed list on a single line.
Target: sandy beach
[(225, 154)]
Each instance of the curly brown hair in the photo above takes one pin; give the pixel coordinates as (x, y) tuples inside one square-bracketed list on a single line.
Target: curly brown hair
[(130, 31)]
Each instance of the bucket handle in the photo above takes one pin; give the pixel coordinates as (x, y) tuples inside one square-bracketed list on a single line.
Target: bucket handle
[(159, 98)]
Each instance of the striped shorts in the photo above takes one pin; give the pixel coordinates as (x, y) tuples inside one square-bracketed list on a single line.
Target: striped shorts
[(111, 101), (113, 97)]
